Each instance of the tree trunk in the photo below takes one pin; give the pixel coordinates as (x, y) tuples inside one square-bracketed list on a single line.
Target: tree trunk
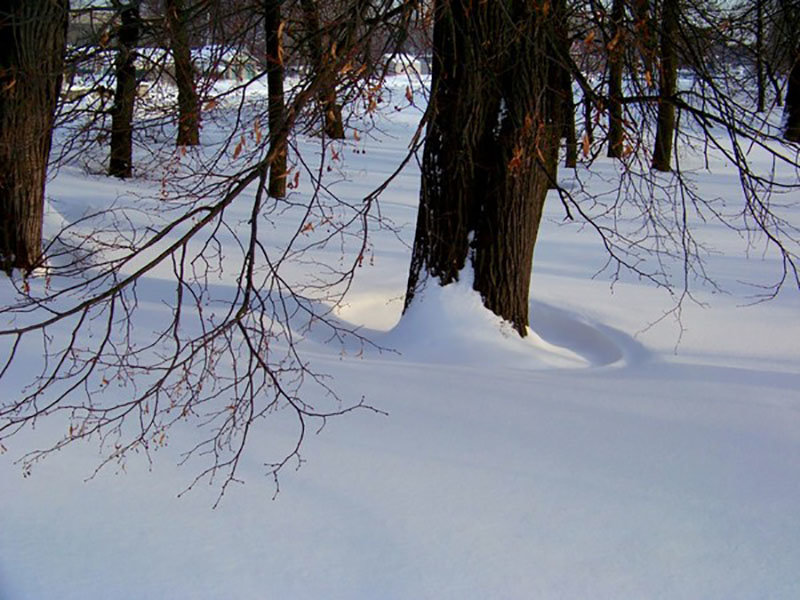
[(484, 177), (792, 108), (776, 86), (331, 111), (554, 100), (560, 21), (277, 108), (665, 128), (559, 92), (32, 44), (188, 103), (121, 164), (615, 48), (761, 79), (588, 119), (570, 133), (644, 36)]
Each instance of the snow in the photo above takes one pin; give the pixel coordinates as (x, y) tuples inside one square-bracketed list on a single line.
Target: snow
[(607, 455), (432, 330)]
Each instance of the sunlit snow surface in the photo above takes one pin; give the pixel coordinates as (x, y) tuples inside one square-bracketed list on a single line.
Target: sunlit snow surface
[(600, 457)]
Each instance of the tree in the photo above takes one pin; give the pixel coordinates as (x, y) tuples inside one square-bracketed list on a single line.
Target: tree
[(792, 126), (176, 17), (668, 77), (121, 159), (277, 108), (761, 74), (643, 35), (319, 63), (488, 144), (560, 88), (460, 200), (615, 47), (32, 43)]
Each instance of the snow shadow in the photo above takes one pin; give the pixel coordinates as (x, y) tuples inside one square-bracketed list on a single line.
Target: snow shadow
[(600, 345)]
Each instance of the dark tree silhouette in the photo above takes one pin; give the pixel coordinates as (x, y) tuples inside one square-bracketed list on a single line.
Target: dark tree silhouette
[(277, 108), (792, 109), (319, 58), (668, 77), (32, 43), (188, 102), (121, 161), (615, 47), (488, 144)]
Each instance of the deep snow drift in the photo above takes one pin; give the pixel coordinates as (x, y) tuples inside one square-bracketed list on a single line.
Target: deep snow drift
[(593, 459)]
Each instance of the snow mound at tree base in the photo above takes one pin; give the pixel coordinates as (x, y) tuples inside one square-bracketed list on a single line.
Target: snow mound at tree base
[(450, 325)]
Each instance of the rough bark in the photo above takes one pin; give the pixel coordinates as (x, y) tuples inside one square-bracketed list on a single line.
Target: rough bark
[(32, 44), (614, 47), (188, 102), (121, 162), (331, 110), (792, 108), (484, 177), (456, 119), (668, 79), (277, 107)]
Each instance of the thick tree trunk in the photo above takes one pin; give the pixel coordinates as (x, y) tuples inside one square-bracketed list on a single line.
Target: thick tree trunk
[(484, 176), (792, 108), (277, 107), (32, 44), (615, 49), (121, 163), (188, 102), (457, 113), (331, 111), (665, 127)]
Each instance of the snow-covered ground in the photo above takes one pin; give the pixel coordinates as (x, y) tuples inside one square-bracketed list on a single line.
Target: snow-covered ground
[(605, 456)]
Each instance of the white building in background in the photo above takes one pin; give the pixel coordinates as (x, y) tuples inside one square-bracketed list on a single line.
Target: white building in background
[(405, 64)]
